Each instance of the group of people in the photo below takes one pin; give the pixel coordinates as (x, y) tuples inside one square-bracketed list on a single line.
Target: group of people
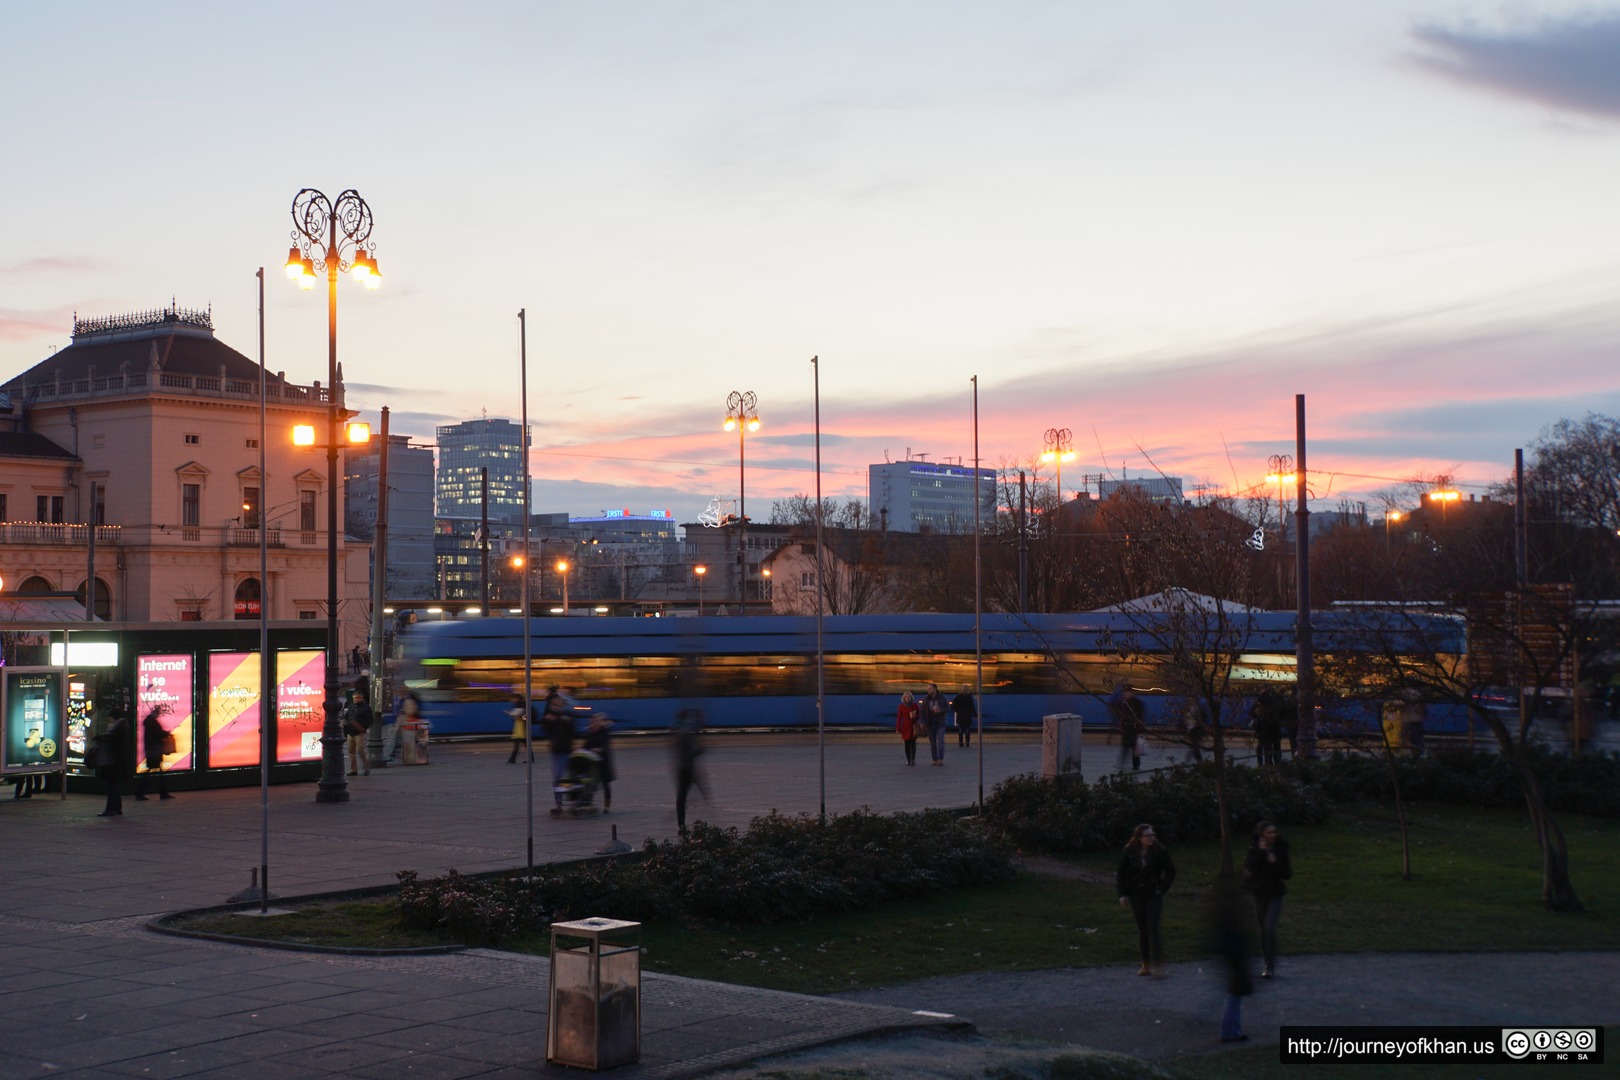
[(932, 716), (573, 772), (1146, 873), (112, 752)]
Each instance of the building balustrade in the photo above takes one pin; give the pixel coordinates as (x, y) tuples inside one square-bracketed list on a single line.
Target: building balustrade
[(57, 533)]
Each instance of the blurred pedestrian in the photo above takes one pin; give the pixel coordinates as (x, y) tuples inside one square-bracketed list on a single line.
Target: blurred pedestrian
[(520, 728), (1265, 869), (934, 710), (688, 730), (114, 756), (1227, 942), (966, 713), (599, 740), (155, 741), (1267, 714), (557, 721), (1145, 874), (1131, 719), (907, 722), (408, 727), (1192, 722)]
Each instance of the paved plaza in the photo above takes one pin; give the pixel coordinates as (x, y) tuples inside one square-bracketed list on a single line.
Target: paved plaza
[(91, 992)]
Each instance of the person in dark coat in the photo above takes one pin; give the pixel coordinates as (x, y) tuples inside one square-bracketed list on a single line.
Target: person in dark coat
[(1265, 868), (688, 729), (1267, 713), (599, 740), (1145, 875), (1229, 945), (153, 733), (934, 708), (966, 713), (557, 721), (1131, 719), (115, 750)]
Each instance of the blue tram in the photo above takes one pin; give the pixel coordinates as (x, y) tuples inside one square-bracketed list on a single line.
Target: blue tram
[(760, 671)]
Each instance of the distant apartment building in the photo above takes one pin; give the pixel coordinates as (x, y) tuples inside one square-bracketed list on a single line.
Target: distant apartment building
[(1159, 489), (410, 573), (922, 496), (465, 451)]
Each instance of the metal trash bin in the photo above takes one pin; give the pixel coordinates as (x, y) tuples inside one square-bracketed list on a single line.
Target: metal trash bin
[(594, 1019), (1061, 742)]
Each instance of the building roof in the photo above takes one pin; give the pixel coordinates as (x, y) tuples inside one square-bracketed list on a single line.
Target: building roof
[(174, 341), (26, 444)]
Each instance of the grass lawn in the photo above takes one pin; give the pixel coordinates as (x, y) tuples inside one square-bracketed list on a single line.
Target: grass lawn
[(1476, 869), (1476, 886)]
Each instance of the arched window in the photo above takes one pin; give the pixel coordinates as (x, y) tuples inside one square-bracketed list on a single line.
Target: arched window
[(247, 599), (103, 598), (35, 584)]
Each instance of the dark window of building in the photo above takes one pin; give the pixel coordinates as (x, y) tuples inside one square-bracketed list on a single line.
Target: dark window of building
[(98, 503), (307, 616), (190, 503), (306, 511), (48, 508), (3, 508), (250, 508), (247, 599), (193, 440)]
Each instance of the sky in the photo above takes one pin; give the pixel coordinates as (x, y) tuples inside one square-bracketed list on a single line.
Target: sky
[(1152, 224)]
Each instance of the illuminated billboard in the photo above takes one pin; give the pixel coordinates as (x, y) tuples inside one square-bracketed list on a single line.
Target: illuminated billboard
[(165, 679), (233, 709), (300, 684), (33, 718)]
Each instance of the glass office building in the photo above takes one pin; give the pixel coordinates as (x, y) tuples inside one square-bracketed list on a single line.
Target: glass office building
[(465, 450)]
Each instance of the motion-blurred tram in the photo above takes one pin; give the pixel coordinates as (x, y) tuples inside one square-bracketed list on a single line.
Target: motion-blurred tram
[(761, 671)]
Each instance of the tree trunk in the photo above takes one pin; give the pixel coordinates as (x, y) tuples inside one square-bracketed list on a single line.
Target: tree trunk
[(1557, 892)]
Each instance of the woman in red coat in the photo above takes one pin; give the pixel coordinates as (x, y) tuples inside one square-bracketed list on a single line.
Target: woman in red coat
[(905, 722)]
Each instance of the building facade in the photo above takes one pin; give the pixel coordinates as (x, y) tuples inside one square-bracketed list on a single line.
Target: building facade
[(130, 459), (922, 496), (465, 451)]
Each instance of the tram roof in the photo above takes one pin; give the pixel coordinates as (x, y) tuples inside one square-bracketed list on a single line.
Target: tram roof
[(1249, 631)]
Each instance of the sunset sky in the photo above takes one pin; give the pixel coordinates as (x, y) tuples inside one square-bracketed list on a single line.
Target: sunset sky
[(1151, 223)]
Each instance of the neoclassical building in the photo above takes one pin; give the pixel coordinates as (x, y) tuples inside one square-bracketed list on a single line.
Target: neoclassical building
[(146, 428)]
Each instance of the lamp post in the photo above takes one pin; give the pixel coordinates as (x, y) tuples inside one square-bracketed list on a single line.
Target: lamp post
[(1390, 516), (1058, 450), (742, 415), (562, 568), (700, 570), (331, 235)]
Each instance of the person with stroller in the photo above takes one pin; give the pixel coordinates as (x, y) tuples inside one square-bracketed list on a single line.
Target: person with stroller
[(599, 741), (557, 721)]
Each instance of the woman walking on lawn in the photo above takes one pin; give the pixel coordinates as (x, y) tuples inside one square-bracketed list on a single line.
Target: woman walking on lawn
[(1265, 869), (1145, 875), (906, 723)]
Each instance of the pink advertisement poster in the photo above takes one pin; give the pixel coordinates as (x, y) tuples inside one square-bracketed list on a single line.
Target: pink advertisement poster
[(164, 680), (233, 709), (300, 682)]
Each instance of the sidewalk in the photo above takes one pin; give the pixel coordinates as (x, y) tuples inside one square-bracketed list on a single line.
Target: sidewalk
[(90, 992)]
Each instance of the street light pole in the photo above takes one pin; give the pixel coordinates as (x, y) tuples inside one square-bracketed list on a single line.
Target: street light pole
[(742, 413), (324, 232), (1058, 450), (562, 568), (701, 571)]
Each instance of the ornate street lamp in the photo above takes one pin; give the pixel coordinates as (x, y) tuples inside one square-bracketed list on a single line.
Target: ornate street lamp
[(334, 236), (1058, 450), (742, 416), (1282, 472)]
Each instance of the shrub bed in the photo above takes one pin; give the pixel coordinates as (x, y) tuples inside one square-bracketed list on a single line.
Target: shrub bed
[(1039, 815), (780, 868)]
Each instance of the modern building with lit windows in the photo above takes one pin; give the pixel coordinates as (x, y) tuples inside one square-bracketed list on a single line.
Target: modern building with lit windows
[(465, 450), (922, 496)]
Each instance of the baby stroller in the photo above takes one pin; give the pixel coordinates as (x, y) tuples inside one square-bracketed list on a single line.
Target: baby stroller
[(580, 781)]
